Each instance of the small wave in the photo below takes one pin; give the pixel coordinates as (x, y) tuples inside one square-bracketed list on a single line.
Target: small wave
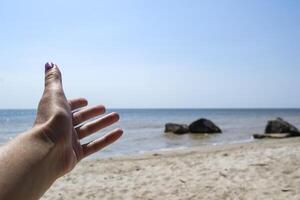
[(164, 149), (232, 142)]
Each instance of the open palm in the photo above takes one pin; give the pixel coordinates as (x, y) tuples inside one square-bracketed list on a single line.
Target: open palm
[(63, 122)]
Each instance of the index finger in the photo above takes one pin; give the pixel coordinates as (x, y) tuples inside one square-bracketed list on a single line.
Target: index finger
[(77, 103)]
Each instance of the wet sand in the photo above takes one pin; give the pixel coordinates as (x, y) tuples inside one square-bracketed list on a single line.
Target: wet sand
[(266, 169)]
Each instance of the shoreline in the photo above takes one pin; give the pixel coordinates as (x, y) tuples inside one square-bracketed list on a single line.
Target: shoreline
[(265, 169), (180, 148)]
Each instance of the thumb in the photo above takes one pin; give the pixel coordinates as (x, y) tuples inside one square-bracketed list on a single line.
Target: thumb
[(53, 80), (52, 95)]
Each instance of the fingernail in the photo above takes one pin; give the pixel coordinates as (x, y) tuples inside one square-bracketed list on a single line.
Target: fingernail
[(48, 66)]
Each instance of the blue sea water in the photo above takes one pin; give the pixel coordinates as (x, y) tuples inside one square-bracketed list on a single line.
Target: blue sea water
[(144, 128)]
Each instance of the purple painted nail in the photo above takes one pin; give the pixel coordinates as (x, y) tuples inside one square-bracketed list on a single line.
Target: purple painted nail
[(48, 66)]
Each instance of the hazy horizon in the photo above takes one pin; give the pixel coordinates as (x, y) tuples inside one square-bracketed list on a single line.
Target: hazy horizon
[(155, 54), (179, 108)]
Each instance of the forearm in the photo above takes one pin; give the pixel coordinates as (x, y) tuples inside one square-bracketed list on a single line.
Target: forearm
[(26, 170)]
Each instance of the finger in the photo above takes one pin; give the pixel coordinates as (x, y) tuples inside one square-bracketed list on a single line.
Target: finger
[(96, 145), (86, 114), (77, 103), (97, 125), (53, 80)]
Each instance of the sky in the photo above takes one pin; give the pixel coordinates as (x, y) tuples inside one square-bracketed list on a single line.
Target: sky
[(153, 54)]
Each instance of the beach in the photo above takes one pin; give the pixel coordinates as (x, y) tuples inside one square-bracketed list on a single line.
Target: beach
[(265, 169)]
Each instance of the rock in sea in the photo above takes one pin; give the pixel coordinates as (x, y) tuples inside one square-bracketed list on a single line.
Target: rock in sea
[(176, 128), (204, 126), (278, 128), (281, 126)]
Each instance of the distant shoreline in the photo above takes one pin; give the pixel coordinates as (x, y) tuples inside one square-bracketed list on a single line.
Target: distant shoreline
[(262, 108)]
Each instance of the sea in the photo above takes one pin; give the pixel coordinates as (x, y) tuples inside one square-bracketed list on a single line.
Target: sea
[(144, 128)]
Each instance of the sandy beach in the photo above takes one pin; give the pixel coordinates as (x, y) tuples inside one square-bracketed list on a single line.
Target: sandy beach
[(268, 169)]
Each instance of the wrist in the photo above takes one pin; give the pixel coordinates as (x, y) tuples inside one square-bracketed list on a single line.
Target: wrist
[(43, 151)]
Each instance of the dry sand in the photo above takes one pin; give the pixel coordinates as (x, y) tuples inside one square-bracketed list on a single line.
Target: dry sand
[(267, 169)]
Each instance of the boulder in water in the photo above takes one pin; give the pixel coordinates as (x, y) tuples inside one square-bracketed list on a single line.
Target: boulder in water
[(281, 126), (176, 128), (278, 128), (204, 126)]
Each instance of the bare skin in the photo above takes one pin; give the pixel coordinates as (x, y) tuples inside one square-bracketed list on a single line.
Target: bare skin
[(30, 163)]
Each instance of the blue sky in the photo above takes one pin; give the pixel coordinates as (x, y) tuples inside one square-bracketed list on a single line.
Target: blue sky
[(137, 54)]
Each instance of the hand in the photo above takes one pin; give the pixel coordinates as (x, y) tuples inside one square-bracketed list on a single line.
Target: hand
[(63, 126), (31, 162)]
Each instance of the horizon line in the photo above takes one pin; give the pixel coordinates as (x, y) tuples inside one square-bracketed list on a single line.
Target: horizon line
[(178, 108)]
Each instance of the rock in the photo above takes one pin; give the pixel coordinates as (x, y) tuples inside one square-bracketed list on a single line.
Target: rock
[(204, 126), (176, 128), (272, 135), (281, 126)]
